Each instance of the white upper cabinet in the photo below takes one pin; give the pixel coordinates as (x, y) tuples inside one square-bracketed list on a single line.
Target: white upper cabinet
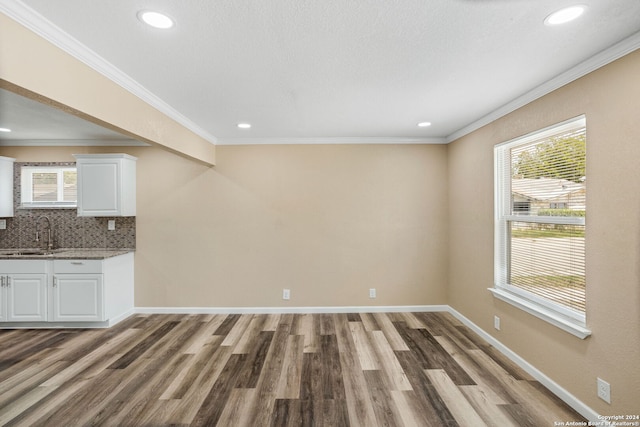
[(106, 184), (6, 187)]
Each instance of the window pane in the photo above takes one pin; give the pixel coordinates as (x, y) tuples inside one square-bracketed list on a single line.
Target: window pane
[(70, 186), (548, 261), (45, 187), (549, 176)]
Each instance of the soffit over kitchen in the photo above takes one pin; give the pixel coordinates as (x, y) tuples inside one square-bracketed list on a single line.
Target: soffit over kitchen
[(34, 123)]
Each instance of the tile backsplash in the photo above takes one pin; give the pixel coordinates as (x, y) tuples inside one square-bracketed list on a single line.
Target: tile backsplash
[(69, 230)]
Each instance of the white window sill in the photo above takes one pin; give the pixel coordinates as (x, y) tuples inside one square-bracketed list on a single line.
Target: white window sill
[(565, 323), (30, 206)]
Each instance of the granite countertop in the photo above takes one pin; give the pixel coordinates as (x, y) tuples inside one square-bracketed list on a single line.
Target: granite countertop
[(61, 253)]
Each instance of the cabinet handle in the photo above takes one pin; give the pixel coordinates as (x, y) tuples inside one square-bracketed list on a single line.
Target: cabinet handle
[(55, 281), (77, 262), (2, 281), (8, 281)]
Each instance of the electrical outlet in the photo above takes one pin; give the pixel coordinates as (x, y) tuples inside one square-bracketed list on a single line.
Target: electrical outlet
[(286, 294), (496, 322), (111, 224), (3, 224), (372, 292), (604, 390)]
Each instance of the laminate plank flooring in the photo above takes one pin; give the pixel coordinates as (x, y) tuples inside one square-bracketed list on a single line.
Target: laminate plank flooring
[(355, 369)]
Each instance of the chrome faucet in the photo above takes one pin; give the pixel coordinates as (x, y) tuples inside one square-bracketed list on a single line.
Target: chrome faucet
[(49, 240)]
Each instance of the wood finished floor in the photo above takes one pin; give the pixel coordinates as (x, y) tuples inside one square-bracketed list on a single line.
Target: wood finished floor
[(381, 369)]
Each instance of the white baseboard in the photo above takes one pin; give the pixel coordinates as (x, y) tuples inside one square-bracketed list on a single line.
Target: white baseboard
[(554, 387), (121, 317), (296, 310)]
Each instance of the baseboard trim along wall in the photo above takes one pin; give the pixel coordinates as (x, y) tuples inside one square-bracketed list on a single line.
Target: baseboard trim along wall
[(555, 388), (295, 310)]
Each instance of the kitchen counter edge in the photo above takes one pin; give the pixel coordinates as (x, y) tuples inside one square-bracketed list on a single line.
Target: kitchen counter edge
[(67, 254)]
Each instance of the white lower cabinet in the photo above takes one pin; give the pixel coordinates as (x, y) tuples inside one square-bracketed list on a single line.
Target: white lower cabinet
[(78, 291), (77, 298), (96, 292), (26, 297), (23, 291)]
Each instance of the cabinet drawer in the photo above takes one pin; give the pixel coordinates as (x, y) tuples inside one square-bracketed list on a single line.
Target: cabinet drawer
[(23, 266), (77, 266)]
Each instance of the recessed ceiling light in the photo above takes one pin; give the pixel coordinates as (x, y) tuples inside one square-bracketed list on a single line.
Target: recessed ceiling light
[(5, 130), (565, 15), (424, 124), (155, 19), (244, 125)]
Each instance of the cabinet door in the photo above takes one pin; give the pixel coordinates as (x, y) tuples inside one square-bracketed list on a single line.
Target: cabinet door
[(98, 189), (6, 187), (26, 297), (3, 301), (77, 298)]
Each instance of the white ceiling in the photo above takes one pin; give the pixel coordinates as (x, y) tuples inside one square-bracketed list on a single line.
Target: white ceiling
[(335, 70)]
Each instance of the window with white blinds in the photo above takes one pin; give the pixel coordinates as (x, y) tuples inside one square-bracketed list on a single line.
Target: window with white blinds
[(48, 186), (540, 212)]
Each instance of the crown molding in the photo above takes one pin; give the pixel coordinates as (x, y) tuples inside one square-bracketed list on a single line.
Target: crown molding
[(72, 143), (329, 140), (599, 60), (35, 22)]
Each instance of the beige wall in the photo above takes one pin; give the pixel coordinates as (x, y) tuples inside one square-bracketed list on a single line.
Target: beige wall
[(328, 222), (610, 99)]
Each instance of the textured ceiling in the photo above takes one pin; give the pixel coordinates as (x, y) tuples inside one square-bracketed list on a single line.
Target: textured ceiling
[(340, 69)]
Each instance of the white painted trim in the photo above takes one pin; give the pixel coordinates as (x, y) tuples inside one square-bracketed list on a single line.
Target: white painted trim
[(295, 310), (26, 16), (329, 140), (554, 387), (541, 312), (599, 60), (121, 317), (71, 143), (566, 220), (68, 325), (55, 325)]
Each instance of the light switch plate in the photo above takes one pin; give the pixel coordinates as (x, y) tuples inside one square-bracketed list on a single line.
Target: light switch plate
[(111, 225)]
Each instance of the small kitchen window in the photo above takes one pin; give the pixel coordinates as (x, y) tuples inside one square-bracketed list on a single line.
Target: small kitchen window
[(49, 187)]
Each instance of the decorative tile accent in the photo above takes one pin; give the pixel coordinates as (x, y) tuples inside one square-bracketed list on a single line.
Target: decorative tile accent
[(69, 230)]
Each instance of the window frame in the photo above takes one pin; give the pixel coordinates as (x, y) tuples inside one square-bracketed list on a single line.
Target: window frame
[(26, 184), (561, 316)]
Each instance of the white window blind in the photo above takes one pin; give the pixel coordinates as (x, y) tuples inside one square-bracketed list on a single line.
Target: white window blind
[(540, 211)]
